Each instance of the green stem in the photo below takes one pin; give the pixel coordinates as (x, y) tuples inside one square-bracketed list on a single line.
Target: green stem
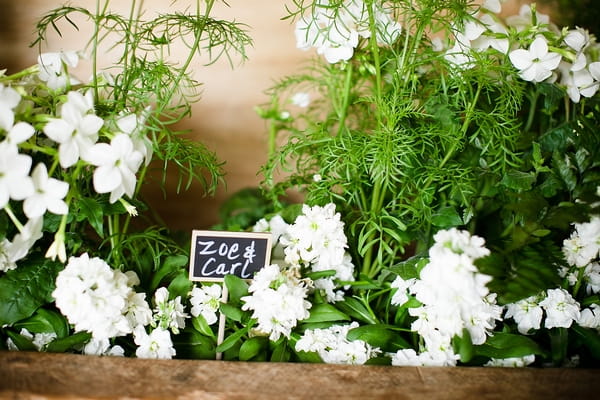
[(369, 267), (343, 112), (13, 217)]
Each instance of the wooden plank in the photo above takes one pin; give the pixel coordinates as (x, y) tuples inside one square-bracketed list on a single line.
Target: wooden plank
[(25, 375)]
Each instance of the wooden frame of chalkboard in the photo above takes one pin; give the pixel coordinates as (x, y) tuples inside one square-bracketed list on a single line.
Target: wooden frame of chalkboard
[(215, 254)]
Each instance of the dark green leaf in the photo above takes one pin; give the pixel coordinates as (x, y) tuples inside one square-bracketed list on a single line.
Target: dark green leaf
[(232, 312), (172, 266), (251, 347), (325, 312), (356, 310), (378, 335), (202, 326), (180, 286), (92, 211), (23, 343), (507, 345), (45, 321), (518, 181), (233, 339), (236, 287), (590, 338), (68, 343), (194, 345), (26, 288), (446, 217)]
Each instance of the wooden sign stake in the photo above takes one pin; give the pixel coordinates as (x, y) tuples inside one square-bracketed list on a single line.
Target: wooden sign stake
[(221, 329)]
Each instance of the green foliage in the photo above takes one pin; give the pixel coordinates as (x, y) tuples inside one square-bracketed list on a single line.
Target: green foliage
[(25, 289)]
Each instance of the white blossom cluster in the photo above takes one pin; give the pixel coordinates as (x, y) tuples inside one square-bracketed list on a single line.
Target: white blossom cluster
[(205, 301), (74, 131), (569, 57), (453, 297), (581, 251), (99, 299), (316, 240), (278, 300), (560, 309), (335, 31), (38, 340), (332, 345)]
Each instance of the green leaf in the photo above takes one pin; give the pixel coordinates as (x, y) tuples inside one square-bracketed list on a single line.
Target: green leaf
[(507, 345), (356, 310), (518, 181), (68, 343), (590, 338), (378, 335), (236, 287), (180, 286), (321, 274), (251, 347), (465, 346), (446, 217), (233, 339), (91, 210), (23, 343), (26, 288), (200, 324), (325, 312), (192, 344), (170, 267), (44, 320), (281, 352), (232, 312)]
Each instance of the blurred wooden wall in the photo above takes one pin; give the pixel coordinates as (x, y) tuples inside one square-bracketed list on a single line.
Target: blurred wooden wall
[(224, 119)]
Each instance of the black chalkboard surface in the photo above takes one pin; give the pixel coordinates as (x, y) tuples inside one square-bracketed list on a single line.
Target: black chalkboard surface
[(215, 254)]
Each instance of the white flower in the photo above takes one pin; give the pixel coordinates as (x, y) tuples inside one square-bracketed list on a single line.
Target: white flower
[(133, 126), (493, 5), (169, 314), (583, 245), (590, 317), (157, 344), (117, 164), (401, 294), (511, 362), (102, 347), (591, 276), (561, 309), (524, 19), (278, 301), (76, 130), (205, 301), (15, 182), (301, 99), (48, 194), (336, 32), (53, 68), (317, 240), (277, 226), (39, 340), (453, 293), (11, 252), (6, 260), (537, 63), (93, 297), (527, 313), (138, 311), (333, 347)]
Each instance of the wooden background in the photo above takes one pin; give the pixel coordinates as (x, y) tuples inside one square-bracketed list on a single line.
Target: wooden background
[(224, 119)]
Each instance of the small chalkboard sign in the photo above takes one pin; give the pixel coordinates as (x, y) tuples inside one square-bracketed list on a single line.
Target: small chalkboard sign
[(215, 254)]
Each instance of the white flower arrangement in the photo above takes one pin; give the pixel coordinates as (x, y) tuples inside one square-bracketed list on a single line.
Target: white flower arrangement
[(449, 183)]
